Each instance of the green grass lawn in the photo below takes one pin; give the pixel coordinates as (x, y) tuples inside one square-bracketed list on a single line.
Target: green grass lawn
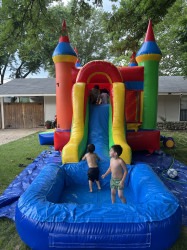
[(17, 152), (11, 155), (180, 151)]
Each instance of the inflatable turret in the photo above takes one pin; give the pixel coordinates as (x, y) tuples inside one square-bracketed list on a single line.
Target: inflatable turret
[(133, 61), (64, 58), (78, 63), (149, 56)]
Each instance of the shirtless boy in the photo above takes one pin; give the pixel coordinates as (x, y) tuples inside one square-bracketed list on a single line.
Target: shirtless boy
[(93, 171), (119, 172)]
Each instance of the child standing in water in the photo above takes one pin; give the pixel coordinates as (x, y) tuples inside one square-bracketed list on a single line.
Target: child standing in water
[(93, 171), (118, 169)]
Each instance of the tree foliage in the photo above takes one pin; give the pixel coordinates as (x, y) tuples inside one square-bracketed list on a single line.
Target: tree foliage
[(128, 23), (22, 26), (172, 40), (29, 32), (86, 32)]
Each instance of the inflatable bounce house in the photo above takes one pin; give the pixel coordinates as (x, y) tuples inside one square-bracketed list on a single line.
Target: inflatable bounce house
[(57, 211)]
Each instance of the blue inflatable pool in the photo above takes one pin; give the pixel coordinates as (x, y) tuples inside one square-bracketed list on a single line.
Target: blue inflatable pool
[(58, 212)]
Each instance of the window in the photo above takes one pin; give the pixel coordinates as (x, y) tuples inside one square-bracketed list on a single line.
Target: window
[(183, 108), (24, 99)]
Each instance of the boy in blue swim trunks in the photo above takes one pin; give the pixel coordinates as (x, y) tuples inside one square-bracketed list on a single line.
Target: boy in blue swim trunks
[(93, 171), (118, 169)]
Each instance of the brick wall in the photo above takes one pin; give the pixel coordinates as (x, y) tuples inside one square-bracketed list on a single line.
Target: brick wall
[(172, 125)]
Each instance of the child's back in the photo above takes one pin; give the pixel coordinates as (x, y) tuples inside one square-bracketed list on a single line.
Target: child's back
[(91, 160), (93, 171)]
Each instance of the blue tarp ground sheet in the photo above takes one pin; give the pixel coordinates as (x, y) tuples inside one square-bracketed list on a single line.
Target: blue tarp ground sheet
[(159, 163), (10, 196)]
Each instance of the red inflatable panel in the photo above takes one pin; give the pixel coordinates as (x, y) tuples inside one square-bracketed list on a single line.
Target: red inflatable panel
[(61, 138), (74, 73), (98, 78), (131, 107), (135, 73), (144, 140)]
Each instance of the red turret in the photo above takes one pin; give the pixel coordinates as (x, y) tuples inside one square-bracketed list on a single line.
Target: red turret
[(150, 34), (133, 61), (78, 63), (64, 37)]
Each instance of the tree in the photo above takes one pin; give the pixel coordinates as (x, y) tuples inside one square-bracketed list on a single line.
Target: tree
[(22, 26), (29, 31), (86, 33), (128, 23), (90, 38), (172, 40)]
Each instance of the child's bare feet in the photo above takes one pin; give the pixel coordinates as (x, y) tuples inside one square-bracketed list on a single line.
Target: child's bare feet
[(98, 185)]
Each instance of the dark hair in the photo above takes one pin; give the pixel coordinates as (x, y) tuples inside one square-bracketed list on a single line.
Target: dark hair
[(118, 149), (105, 91), (91, 148), (96, 86)]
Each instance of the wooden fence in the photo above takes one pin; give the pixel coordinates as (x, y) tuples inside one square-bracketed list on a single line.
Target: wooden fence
[(0, 118), (23, 115)]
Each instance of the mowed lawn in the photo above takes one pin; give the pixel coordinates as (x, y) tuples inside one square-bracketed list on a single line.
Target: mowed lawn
[(15, 153)]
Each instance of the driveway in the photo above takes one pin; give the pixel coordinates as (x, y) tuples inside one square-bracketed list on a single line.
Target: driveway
[(8, 135)]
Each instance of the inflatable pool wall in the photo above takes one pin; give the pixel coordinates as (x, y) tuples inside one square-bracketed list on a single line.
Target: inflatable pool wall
[(151, 218)]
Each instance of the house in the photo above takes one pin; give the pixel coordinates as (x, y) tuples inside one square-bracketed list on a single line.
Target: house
[(172, 99), (29, 102)]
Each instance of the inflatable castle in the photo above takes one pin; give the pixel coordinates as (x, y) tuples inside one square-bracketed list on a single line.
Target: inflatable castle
[(56, 211), (133, 99)]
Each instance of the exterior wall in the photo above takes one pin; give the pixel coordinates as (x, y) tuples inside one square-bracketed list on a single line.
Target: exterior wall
[(49, 107), (168, 108)]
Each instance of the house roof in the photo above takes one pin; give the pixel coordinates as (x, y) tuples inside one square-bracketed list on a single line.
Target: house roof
[(172, 85), (29, 87), (46, 86)]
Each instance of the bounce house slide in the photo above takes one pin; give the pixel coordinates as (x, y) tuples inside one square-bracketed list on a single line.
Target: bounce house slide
[(98, 129), (76, 146)]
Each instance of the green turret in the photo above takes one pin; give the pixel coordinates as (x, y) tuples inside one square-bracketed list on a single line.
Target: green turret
[(149, 56)]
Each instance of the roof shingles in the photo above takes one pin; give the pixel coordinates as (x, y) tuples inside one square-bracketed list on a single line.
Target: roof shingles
[(47, 87)]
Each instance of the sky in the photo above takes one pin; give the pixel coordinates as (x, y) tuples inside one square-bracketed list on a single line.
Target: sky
[(107, 5)]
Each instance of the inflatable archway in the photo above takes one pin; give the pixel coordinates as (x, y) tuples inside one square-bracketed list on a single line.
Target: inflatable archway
[(108, 73), (106, 69)]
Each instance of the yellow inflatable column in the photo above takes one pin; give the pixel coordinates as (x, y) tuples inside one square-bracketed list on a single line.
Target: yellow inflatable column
[(71, 151), (118, 131)]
